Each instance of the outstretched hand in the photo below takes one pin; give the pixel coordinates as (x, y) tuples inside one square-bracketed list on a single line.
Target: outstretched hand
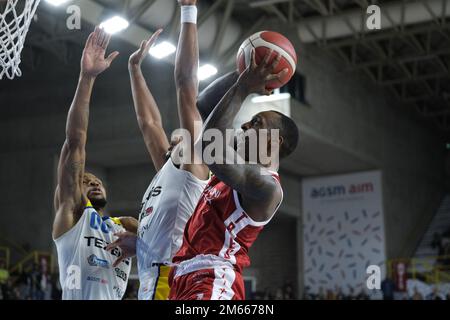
[(137, 57), (93, 61), (256, 77), (127, 243)]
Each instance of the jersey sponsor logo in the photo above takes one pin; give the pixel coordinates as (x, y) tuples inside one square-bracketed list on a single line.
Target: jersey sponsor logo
[(95, 261), (141, 213), (211, 193), (146, 213), (121, 274), (97, 223), (231, 250), (73, 278), (97, 279), (119, 292), (154, 192), (101, 244), (144, 229)]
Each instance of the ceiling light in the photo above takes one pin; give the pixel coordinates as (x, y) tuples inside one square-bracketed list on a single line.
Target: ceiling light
[(162, 50), (114, 25), (206, 71)]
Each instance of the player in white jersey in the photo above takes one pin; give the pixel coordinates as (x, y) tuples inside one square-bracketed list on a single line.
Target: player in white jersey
[(174, 192), (81, 231)]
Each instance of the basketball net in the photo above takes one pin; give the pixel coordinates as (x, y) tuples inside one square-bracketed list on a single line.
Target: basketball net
[(14, 25)]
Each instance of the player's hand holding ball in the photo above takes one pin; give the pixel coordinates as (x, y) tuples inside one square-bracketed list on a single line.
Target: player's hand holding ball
[(255, 78)]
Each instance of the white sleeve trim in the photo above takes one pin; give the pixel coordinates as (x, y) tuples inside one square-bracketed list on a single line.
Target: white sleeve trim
[(253, 222)]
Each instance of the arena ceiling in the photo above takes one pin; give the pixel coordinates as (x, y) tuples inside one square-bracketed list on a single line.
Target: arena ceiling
[(410, 55)]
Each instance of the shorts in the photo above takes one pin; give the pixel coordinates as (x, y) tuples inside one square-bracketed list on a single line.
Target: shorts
[(154, 283), (207, 284)]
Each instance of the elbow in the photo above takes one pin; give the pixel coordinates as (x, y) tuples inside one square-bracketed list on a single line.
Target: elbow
[(76, 140), (146, 124)]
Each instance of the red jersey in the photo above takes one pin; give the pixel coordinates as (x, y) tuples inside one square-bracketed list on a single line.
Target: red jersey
[(220, 227)]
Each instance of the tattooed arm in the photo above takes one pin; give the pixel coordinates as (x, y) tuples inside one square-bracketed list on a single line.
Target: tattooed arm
[(259, 193), (69, 197)]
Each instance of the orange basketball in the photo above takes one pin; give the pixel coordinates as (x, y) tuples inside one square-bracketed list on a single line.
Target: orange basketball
[(263, 42)]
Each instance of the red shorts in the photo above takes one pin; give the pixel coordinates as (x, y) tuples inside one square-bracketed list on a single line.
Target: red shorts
[(207, 284)]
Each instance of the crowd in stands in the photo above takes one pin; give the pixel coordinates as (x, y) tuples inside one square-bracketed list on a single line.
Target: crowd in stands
[(336, 294), (417, 295), (441, 243), (40, 284), (434, 295), (285, 292), (36, 284)]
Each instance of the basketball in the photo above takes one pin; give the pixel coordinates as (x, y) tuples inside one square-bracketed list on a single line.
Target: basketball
[(263, 42)]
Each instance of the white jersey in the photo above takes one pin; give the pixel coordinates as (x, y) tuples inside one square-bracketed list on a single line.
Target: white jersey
[(168, 203), (85, 267)]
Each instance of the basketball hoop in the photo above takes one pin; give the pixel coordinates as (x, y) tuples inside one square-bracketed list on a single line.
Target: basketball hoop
[(15, 20)]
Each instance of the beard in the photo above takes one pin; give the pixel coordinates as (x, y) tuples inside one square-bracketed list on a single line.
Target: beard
[(98, 203)]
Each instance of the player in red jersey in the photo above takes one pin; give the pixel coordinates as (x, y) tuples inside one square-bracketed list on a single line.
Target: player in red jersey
[(238, 202)]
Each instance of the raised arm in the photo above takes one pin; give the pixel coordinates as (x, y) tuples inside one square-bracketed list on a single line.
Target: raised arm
[(212, 94), (69, 197), (147, 112), (186, 82), (260, 193)]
